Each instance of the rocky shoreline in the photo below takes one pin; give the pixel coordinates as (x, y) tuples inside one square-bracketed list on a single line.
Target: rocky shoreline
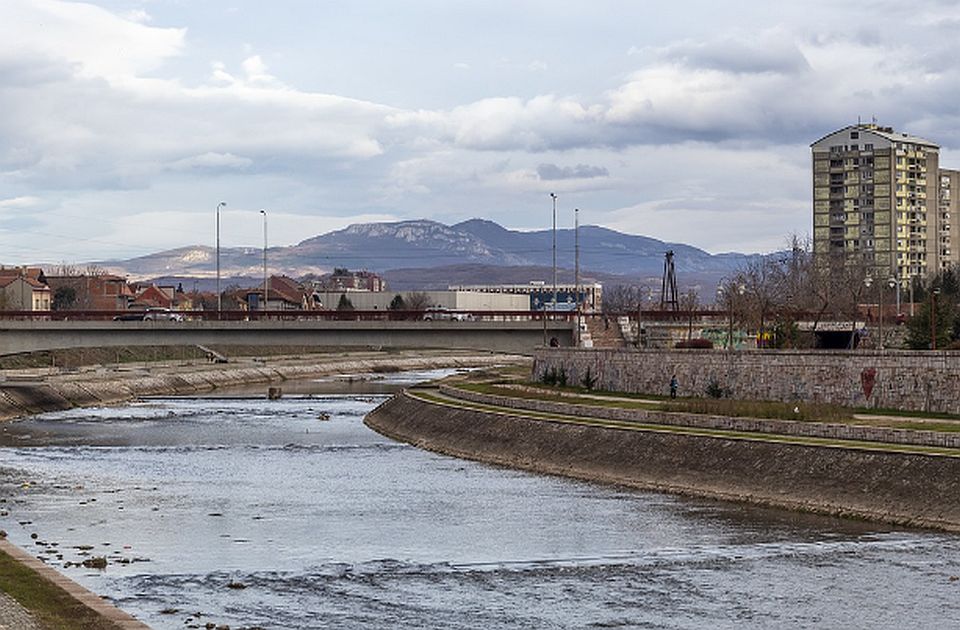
[(891, 487), (28, 392), (37, 391)]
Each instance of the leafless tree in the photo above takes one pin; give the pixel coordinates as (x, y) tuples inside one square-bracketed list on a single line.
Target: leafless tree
[(621, 298), (416, 301), (689, 302)]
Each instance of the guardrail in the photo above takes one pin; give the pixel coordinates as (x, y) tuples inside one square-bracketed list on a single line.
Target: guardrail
[(326, 315)]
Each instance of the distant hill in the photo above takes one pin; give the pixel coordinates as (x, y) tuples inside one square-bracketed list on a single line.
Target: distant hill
[(425, 245)]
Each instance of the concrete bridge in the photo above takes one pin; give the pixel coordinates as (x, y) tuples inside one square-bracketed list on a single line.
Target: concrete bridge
[(519, 337)]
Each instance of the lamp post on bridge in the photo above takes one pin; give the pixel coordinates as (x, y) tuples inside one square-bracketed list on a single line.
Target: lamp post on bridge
[(554, 197), (576, 266), (219, 296), (266, 282)]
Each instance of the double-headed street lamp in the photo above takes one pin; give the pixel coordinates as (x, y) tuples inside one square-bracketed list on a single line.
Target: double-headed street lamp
[(219, 297)]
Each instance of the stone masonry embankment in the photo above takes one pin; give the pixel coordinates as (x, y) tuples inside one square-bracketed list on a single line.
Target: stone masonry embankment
[(888, 379), (831, 431), (102, 387), (898, 488)]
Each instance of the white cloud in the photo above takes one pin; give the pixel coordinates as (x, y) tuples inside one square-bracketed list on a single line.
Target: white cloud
[(211, 161), (120, 116), (19, 203), (100, 43)]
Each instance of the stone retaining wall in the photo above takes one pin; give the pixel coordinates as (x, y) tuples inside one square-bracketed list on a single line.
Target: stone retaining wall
[(905, 489), (84, 390), (726, 423), (891, 379)]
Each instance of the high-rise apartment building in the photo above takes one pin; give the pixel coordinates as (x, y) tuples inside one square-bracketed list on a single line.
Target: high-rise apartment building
[(881, 197)]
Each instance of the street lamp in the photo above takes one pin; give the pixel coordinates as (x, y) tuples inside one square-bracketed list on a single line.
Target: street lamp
[(868, 282), (219, 297), (554, 197), (891, 282), (576, 266), (266, 282), (933, 318)]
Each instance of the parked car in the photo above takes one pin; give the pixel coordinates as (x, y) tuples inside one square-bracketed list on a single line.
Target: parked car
[(130, 317), (441, 313), (162, 314)]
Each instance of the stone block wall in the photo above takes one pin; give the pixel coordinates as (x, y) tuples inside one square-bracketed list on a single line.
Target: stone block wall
[(891, 379), (829, 431)]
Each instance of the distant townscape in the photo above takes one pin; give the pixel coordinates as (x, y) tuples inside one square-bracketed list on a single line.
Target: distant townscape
[(884, 213)]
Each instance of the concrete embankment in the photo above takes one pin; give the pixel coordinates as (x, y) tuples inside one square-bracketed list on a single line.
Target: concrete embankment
[(889, 486), (55, 392)]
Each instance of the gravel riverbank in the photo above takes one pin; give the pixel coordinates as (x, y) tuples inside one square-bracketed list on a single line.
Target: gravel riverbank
[(26, 392)]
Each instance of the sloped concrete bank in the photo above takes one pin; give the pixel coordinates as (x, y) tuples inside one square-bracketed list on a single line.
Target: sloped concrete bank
[(55, 393), (896, 488)]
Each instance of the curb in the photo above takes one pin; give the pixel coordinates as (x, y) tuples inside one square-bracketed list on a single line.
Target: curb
[(88, 598)]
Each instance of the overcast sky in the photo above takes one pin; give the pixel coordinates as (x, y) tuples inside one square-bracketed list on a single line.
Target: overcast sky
[(124, 122)]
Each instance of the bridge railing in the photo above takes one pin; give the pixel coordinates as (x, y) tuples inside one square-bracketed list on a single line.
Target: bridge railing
[(122, 317)]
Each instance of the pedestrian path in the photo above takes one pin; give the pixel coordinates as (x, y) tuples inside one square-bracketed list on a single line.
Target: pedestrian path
[(13, 616)]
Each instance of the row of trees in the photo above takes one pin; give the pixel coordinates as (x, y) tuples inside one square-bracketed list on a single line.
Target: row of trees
[(771, 294)]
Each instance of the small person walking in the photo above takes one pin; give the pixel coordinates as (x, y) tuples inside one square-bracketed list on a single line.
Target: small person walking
[(674, 384)]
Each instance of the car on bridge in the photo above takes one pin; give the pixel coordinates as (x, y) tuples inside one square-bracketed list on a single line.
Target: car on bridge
[(162, 314), (130, 317), (441, 313)]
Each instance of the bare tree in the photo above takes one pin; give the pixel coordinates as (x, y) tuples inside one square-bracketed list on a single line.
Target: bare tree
[(762, 292), (689, 302), (416, 301), (621, 298)]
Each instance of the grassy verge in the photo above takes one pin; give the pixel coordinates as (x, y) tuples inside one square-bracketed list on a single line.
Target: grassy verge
[(77, 357), (802, 412), (49, 603), (779, 438)]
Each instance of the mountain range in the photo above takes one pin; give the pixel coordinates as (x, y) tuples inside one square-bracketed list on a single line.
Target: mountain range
[(474, 251)]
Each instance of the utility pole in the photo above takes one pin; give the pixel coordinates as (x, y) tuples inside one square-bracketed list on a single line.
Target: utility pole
[(219, 297), (554, 197), (668, 287), (266, 282), (576, 265)]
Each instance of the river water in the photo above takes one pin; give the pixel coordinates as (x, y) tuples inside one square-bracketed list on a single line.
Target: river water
[(257, 513)]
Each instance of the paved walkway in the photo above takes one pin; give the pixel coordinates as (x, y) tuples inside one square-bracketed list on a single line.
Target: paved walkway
[(13, 616)]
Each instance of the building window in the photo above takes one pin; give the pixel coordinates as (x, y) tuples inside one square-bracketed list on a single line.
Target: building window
[(854, 135)]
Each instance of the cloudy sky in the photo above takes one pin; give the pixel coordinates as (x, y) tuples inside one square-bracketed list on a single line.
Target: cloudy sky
[(124, 122)]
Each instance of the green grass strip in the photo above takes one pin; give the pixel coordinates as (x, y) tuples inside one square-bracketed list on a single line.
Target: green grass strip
[(52, 606), (778, 438)]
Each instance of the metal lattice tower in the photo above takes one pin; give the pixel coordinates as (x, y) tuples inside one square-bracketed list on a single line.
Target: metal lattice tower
[(668, 288)]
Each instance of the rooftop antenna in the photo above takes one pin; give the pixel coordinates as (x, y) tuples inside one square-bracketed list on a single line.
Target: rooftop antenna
[(668, 288)]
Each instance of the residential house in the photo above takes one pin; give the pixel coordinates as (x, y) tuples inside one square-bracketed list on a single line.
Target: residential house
[(91, 292), (23, 289)]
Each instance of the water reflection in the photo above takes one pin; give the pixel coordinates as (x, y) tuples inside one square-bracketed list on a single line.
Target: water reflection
[(292, 514)]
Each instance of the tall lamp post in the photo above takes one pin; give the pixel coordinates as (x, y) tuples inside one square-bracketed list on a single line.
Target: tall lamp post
[(219, 297), (266, 282), (933, 318), (891, 282), (576, 266), (554, 197)]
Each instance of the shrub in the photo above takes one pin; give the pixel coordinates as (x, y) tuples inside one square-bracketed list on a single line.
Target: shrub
[(589, 381), (549, 376), (562, 377), (715, 390)]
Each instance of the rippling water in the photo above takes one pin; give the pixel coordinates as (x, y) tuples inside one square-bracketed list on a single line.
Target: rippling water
[(325, 524)]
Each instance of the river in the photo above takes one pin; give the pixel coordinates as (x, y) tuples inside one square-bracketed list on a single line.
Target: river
[(252, 513)]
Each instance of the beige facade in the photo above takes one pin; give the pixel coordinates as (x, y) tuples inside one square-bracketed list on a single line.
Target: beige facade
[(23, 294), (453, 300), (881, 197)]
